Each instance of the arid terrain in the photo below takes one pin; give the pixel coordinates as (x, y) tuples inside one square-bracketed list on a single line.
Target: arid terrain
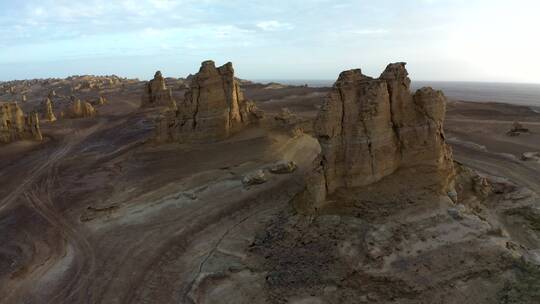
[(142, 193)]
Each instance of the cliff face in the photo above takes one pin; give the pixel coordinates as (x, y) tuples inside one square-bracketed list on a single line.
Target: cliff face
[(15, 125), (157, 94), (214, 108), (370, 128)]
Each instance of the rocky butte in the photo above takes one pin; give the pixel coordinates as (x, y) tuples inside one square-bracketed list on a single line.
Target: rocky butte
[(370, 128), (214, 108), (15, 125), (157, 94)]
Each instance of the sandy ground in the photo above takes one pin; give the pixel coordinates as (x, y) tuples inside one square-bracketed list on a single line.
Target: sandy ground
[(98, 213)]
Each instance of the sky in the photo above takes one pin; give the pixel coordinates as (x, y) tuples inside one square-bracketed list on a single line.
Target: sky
[(441, 40)]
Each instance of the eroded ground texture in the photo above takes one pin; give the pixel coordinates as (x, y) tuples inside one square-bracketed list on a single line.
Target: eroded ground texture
[(98, 212)]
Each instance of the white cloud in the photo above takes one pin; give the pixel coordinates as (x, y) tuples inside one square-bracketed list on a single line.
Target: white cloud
[(163, 4), (273, 25), (37, 12), (150, 32), (369, 31)]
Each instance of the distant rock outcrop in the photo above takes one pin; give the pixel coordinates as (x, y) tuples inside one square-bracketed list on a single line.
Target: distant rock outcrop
[(48, 113), (102, 101), (370, 128), (15, 125), (214, 108), (157, 94), (81, 109)]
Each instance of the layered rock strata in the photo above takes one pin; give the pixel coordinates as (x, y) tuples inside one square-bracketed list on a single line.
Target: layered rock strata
[(370, 128), (15, 125), (214, 108), (157, 94)]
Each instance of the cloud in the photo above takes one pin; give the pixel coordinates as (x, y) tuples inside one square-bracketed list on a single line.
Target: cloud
[(368, 32), (151, 32), (273, 25), (225, 31), (163, 4), (379, 31)]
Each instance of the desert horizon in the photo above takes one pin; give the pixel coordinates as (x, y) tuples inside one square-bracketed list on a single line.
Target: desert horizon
[(503, 92)]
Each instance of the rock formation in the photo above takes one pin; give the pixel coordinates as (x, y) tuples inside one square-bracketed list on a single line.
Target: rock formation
[(517, 129), (283, 167), (81, 109), (102, 100), (370, 128), (48, 111), (15, 125), (157, 94), (214, 108), (531, 156), (254, 178), (286, 116)]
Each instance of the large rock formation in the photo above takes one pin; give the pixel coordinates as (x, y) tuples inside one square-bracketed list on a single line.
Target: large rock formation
[(214, 108), (15, 125), (157, 94), (48, 113), (370, 128)]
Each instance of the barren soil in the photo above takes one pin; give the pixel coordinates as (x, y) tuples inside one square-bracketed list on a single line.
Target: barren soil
[(98, 213)]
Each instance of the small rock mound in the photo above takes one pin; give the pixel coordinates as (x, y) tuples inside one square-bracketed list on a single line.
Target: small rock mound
[(517, 129), (531, 156), (283, 167), (255, 178), (286, 116)]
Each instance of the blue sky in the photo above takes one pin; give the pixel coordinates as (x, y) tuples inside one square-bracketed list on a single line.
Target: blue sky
[(478, 40)]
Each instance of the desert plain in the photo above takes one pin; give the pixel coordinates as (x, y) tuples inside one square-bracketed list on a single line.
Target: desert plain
[(127, 198)]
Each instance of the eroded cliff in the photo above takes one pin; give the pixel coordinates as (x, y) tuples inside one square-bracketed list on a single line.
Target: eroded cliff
[(214, 108), (370, 128)]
